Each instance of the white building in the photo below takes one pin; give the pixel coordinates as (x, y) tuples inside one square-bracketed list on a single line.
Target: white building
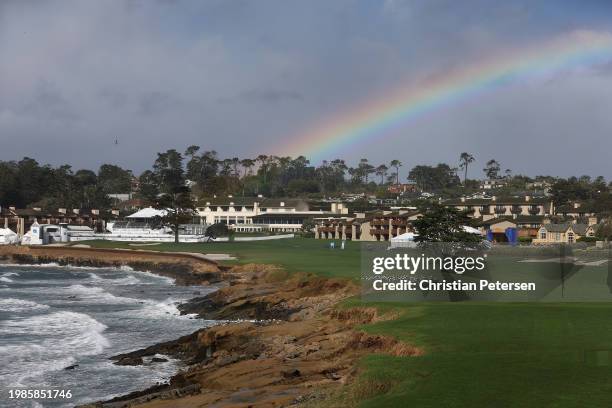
[(252, 214), (44, 234)]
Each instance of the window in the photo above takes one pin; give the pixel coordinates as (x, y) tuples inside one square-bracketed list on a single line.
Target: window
[(570, 237), (543, 234)]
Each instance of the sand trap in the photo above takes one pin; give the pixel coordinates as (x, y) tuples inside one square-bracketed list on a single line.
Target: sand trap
[(146, 244), (220, 257)]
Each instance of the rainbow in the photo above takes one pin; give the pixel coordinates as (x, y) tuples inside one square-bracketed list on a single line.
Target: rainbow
[(372, 120)]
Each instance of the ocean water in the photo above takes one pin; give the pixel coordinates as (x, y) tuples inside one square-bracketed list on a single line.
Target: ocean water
[(52, 317)]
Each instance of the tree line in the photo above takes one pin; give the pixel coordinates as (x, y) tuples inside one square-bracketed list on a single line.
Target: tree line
[(26, 183), (204, 173)]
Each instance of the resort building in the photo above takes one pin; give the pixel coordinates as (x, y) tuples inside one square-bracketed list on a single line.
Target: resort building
[(374, 226), (256, 214), (565, 233), (492, 207), (20, 220)]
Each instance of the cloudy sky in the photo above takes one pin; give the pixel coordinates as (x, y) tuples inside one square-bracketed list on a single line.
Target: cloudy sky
[(247, 77)]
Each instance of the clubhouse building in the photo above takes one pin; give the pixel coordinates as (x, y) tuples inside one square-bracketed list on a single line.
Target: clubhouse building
[(258, 214)]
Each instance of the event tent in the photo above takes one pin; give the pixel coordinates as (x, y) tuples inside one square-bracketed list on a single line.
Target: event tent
[(7, 237), (405, 240)]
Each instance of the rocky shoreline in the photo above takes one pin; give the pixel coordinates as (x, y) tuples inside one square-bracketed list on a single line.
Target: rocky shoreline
[(282, 338), (185, 269)]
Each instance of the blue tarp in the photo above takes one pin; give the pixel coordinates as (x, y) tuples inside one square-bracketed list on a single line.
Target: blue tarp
[(512, 235)]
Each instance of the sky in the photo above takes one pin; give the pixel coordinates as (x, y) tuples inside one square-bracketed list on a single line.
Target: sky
[(247, 77)]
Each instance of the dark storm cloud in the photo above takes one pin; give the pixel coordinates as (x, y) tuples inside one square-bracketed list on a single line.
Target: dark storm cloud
[(244, 77)]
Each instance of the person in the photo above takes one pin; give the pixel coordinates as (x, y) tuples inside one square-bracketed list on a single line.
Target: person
[(342, 245), (332, 245)]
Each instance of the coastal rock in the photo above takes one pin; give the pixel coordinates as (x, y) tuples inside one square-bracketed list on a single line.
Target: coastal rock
[(291, 373), (71, 367), (159, 360), (129, 361)]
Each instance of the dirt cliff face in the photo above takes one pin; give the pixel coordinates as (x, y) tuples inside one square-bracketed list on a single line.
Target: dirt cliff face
[(298, 344)]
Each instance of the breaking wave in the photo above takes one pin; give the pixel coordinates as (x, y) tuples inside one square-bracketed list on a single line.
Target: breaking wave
[(56, 340), (19, 305)]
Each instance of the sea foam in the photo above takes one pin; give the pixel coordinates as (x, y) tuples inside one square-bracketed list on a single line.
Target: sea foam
[(56, 341), (20, 305)]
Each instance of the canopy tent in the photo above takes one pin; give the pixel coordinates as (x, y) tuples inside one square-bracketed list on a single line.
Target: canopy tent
[(7, 237), (147, 213), (405, 240), (471, 230)]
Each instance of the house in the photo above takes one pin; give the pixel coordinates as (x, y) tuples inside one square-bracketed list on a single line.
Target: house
[(402, 188), (490, 184), (565, 233), (541, 186), (253, 214), (527, 226), (574, 209), (120, 197), (492, 207)]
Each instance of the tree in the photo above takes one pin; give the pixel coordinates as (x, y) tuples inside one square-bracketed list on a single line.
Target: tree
[(308, 225), (492, 169), (604, 230), (397, 164), (464, 161), (203, 168), (382, 172), (247, 165), (9, 186), (179, 209), (364, 170), (434, 178), (235, 165), (176, 197), (443, 224), (148, 187), (263, 165), (563, 191), (217, 230), (115, 180), (191, 151)]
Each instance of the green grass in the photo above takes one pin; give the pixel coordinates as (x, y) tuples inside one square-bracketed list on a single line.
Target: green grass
[(295, 255), (496, 355), (476, 354)]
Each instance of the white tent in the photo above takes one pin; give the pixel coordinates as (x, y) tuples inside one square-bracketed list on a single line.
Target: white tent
[(471, 230), (7, 237), (405, 240), (148, 213)]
